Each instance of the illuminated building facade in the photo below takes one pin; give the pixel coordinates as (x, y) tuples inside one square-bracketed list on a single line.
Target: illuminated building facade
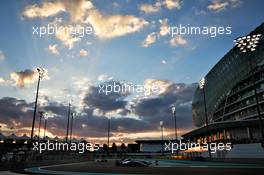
[(230, 99)]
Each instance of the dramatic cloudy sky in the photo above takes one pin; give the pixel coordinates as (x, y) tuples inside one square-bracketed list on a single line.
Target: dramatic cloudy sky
[(130, 43)]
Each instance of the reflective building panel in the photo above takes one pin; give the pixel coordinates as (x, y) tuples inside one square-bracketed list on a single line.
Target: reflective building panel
[(229, 87)]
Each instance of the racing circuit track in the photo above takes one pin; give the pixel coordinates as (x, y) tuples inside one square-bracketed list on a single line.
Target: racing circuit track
[(164, 167)]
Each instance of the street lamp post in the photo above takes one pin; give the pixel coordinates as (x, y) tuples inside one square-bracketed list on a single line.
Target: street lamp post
[(68, 122), (40, 118), (161, 129), (248, 45), (40, 76), (108, 133), (201, 85), (45, 128), (173, 109), (72, 116)]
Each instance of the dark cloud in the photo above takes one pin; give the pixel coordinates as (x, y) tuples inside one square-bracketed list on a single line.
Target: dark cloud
[(15, 113), (18, 113), (106, 102), (158, 108)]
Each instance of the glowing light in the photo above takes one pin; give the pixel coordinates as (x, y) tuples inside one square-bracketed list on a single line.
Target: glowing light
[(202, 83), (247, 43), (173, 109)]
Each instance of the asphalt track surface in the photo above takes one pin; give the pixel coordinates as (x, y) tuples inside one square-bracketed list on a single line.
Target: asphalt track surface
[(165, 167)]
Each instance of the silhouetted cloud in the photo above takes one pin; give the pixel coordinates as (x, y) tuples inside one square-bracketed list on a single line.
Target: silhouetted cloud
[(97, 99), (27, 77), (158, 108), (18, 113), (15, 113)]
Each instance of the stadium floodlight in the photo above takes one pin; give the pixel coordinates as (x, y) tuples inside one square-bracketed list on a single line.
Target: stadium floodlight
[(72, 117), (173, 110), (201, 86), (68, 121), (41, 72), (41, 115), (45, 128), (248, 47), (108, 116), (247, 43), (161, 127), (162, 138), (202, 83)]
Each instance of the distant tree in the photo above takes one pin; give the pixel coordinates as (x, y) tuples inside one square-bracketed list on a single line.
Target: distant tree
[(123, 147), (105, 147), (114, 147)]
